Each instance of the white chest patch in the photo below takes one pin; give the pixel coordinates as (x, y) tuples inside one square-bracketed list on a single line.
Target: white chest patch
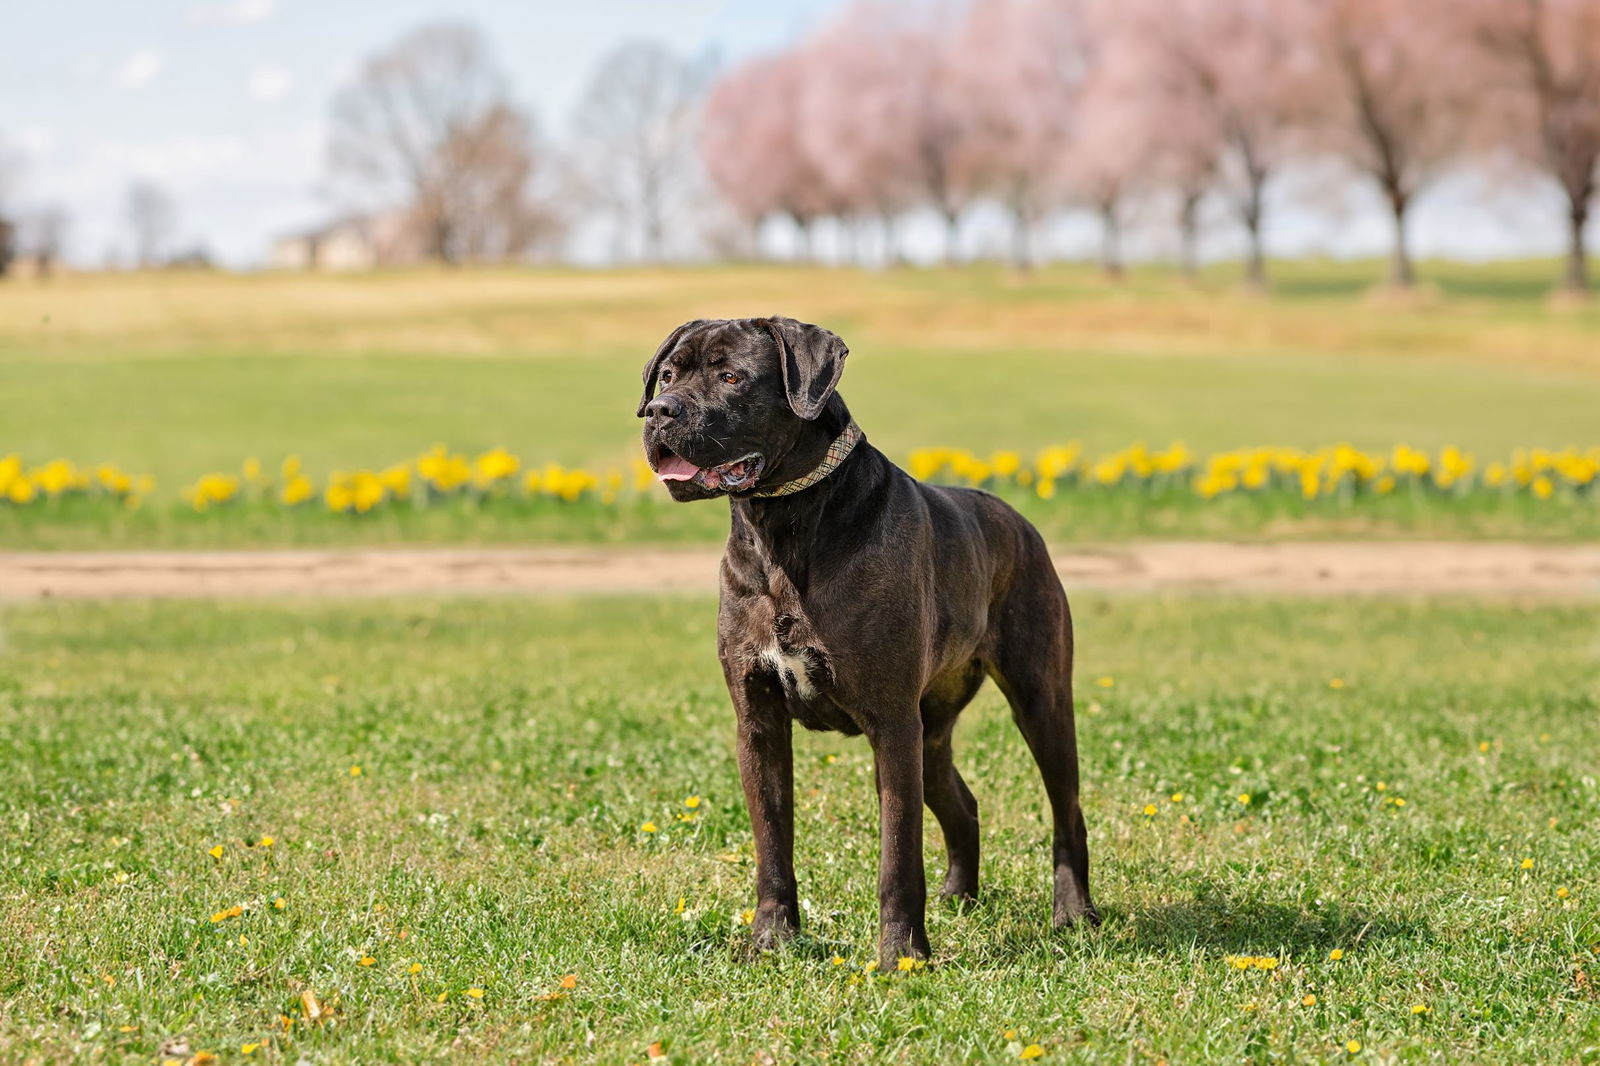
[(793, 669)]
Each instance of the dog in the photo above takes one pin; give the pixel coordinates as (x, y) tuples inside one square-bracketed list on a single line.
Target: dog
[(854, 598)]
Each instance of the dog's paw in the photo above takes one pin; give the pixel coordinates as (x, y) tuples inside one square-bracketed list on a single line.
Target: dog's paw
[(774, 926)]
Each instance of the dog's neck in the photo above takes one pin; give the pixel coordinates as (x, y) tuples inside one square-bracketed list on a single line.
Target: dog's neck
[(784, 531)]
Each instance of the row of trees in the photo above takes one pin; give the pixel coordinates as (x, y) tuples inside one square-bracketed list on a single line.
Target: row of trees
[(1101, 104)]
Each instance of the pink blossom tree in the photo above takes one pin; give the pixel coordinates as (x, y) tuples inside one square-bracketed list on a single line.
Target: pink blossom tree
[(1390, 97), (751, 146), (1238, 62), (1023, 63), (1542, 62)]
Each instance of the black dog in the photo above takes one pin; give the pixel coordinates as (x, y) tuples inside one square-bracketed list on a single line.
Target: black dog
[(857, 599)]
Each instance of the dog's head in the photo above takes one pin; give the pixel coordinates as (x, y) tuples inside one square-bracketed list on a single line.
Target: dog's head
[(735, 395)]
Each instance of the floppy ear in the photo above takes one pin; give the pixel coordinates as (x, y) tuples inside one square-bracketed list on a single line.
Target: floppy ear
[(812, 359), (653, 368)]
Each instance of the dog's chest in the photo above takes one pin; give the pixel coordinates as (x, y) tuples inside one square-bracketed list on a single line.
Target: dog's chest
[(780, 642)]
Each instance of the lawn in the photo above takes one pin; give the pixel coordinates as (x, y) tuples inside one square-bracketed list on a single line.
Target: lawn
[(180, 375), (456, 795)]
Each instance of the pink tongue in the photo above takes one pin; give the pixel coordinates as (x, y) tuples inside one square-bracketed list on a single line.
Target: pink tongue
[(676, 468)]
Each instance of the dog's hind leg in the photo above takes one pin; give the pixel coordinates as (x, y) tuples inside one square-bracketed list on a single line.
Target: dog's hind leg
[(1033, 667), (952, 803)]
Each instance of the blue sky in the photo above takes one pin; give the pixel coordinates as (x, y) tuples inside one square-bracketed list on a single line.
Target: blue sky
[(223, 101)]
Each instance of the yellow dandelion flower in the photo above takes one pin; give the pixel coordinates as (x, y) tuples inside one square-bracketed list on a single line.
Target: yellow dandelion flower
[(747, 916), (265, 842), (121, 877), (1308, 1000), (475, 993), (1105, 682), (415, 967), (1177, 797), (649, 827), (693, 802), (280, 903), (1267, 962), (355, 771), (837, 960), (1032, 1051), (1244, 798), (1563, 892), (1336, 954), (215, 852), (441, 997), (1483, 745), (1526, 864), (1149, 809), (1352, 1046), (1336, 682), (1011, 1034), (683, 901), (367, 960), (248, 1049), (1421, 1008)]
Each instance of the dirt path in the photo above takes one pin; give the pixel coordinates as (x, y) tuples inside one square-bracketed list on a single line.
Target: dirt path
[(1551, 571)]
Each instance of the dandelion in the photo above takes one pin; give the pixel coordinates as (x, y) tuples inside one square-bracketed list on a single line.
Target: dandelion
[(1011, 1034), (1421, 1008), (475, 993), (415, 967), (215, 852), (367, 960), (1177, 797), (1244, 798), (837, 960), (1352, 1046), (265, 842), (121, 877), (649, 827), (683, 901), (1562, 892), (1336, 682), (748, 917), (222, 916), (441, 997), (1336, 954), (1149, 809), (1105, 682), (693, 803), (570, 981), (1308, 1000), (279, 903), (1526, 864), (248, 1049), (1032, 1051), (355, 771)]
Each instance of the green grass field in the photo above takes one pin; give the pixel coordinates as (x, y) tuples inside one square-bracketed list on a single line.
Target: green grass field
[(180, 375), (1434, 818)]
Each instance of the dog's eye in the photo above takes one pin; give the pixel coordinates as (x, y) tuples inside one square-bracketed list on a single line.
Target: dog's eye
[(666, 376), (731, 379)]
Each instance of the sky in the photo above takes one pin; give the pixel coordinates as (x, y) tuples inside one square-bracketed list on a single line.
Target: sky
[(224, 103)]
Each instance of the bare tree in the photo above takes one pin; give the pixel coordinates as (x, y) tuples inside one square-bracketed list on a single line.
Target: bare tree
[(152, 217), (633, 134), (43, 231), (10, 170), (428, 125)]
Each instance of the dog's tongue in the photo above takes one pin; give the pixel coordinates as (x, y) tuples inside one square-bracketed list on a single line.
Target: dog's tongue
[(676, 468)]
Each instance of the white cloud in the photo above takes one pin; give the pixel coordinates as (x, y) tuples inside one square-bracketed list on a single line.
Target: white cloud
[(270, 83), (139, 69), (234, 11)]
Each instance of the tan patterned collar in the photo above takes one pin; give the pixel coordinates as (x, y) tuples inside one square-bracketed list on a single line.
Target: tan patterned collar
[(838, 452)]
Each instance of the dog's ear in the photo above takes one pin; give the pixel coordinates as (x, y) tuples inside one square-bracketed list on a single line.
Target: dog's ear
[(652, 369), (812, 359)]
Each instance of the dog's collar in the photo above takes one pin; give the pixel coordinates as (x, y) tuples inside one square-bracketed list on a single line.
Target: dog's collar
[(837, 453)]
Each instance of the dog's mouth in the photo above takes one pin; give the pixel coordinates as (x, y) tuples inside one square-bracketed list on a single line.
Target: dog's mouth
[(739, 475)]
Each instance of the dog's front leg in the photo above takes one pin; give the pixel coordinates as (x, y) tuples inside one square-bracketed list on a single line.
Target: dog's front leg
[(902, 888), (766, 770)]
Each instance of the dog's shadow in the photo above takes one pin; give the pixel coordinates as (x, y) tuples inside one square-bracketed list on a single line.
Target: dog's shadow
[(1213, 921)]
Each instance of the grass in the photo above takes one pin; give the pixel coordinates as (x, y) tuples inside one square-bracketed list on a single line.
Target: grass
[(511, 750), (178, 375)]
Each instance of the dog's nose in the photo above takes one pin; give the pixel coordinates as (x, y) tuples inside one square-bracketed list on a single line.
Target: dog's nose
[(664, 406)]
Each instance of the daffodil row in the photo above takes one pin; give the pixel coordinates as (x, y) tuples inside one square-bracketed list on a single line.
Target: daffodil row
[(21, 485), (1337, 471)]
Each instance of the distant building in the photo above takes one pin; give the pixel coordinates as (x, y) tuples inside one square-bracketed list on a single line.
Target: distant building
[(356, 242)]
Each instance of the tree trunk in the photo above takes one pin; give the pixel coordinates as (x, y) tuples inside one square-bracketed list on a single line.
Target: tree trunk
[(1577, 273), (1402, 275), (1255, 273), (1021, 251), (952, 236), (1110, 242), (1189, 236)]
